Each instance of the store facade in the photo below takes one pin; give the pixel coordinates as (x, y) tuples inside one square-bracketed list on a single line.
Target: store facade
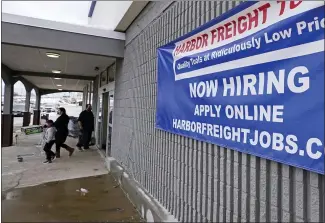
[(173, 177)]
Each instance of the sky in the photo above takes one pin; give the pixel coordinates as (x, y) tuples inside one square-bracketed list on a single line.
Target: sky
[(75, 12), (106, 15)]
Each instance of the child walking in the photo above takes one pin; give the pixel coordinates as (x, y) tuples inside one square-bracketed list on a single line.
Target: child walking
[(41, 142), (49, 139)]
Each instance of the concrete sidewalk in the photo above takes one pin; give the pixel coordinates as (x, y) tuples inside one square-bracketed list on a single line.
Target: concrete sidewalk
[(32, 171), (50, 192)]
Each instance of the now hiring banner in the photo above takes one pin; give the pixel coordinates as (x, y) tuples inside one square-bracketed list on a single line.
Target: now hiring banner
[(251, 80)]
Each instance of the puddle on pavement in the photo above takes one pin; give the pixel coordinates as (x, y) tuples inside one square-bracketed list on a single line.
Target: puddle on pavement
[(61, 202)]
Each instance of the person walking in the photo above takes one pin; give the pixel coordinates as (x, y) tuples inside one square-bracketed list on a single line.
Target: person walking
[(61, 125), (86, 124), (49, 139)]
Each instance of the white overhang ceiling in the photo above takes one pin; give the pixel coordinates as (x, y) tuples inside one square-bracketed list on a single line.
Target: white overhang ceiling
[(34, 65)]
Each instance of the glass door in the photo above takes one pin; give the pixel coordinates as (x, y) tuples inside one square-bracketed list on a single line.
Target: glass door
[(110, 124), (104, 121), (99, 122)]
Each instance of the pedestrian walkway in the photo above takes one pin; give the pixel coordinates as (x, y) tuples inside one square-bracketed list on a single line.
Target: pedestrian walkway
[(33, 172), (48, 192)]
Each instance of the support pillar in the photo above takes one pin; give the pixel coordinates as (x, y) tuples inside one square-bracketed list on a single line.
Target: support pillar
[(105, 111), (94, 104), (7, 117), (37, 110), (84, 97), (118, 74), (89, 92), (26, 118)]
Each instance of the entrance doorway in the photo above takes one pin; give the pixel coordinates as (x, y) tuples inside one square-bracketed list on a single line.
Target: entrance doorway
[(110, 124), (102, 121), (105, 122), (99, 121), (105, 111)]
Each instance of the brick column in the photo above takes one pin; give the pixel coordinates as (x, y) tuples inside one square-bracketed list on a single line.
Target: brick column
[(37, 111), (7, 117), (26, 118)]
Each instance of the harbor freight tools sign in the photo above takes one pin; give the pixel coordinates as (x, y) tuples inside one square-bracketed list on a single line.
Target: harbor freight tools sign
[(251, 80)]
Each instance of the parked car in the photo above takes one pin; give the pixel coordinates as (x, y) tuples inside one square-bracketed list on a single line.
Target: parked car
[(18, 110), (44, 116), (17, 113), (48, 110)]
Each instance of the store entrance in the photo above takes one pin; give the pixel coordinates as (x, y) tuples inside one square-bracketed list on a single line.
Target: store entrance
[(105, 122), (102, 121), (105, 111), (110, 124), (99, 121)]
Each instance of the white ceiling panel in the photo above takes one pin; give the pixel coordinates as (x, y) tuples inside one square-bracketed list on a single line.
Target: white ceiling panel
[(22, 58), (52, 84)]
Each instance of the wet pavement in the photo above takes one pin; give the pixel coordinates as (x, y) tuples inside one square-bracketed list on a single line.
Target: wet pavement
[(32, 171), (37, 192), (60, 201)]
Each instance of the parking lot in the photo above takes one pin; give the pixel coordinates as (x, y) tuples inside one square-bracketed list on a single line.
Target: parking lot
[(72, 110)]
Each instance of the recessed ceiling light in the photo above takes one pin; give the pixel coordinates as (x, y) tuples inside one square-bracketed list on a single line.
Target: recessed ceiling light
[(56, 71), (59, 85), (57, 78), (53, 55), (60, 89)]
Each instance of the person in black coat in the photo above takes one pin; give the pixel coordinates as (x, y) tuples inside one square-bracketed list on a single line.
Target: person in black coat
[(86, 124), (61, 125)]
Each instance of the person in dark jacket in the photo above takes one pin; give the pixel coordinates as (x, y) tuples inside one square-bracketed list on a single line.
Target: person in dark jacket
[(61, 125), (86, 124)]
